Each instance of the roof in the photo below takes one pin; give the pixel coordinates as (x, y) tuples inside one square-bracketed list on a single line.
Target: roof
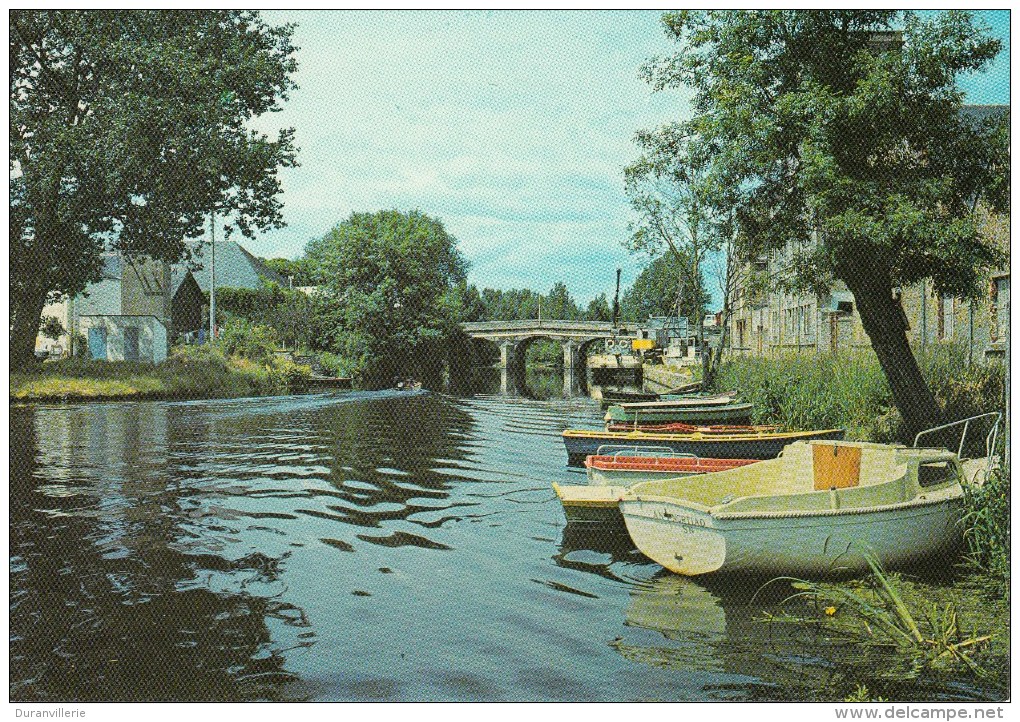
[(235, 268)]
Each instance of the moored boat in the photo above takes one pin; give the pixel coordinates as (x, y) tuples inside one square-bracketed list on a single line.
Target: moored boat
[(609, 475), (618, 396), (821, 508), (628, 467), (688, 411), (757, 445), (676, 427)]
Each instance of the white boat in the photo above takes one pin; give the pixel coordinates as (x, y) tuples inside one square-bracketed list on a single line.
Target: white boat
[(819, 509)]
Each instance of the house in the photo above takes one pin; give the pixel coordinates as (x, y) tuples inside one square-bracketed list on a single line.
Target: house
[(764, 321), (122, 317), (133, 289)]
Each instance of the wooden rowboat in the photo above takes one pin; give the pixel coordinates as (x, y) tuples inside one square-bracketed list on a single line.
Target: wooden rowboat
[(822, 508), (624, 470), (680, 428), (758, 445)]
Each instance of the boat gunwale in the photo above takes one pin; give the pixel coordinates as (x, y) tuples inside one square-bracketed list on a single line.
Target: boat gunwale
[(915, 502), (697, 435)]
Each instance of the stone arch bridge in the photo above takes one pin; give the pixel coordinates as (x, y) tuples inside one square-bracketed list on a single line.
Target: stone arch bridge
[(513, 338)]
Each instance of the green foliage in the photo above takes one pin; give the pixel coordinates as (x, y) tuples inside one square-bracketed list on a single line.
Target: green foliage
[(291, 314), (599, 309), (248, 341), (856, 156), (660, 290), (988, 531), (51, 327), (811, 391), (191, 372), (875, 612), (815, 391), (297, 270), (388, 282), (861, 694), (963, 389), (336, 365), (525, 304), (131, 125)]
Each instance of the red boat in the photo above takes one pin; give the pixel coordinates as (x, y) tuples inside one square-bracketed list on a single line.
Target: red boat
[(617, 470)]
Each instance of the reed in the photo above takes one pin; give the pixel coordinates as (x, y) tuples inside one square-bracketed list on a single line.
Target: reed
[(988, 532), (875, 612)]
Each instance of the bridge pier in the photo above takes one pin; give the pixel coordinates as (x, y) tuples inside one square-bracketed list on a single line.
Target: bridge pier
[(571, 372), (508, 367)]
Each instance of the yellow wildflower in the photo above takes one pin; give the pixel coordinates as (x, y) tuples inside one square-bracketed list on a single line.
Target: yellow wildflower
[(830, 611)]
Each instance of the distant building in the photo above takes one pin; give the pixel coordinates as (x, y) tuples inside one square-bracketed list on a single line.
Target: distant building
[(123, 317), (132, 289)]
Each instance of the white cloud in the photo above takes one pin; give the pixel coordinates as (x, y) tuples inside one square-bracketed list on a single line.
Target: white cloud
[(511, 127)]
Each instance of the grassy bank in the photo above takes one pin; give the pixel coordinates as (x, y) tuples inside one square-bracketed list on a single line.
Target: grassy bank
[(849, 391), (190, 373)]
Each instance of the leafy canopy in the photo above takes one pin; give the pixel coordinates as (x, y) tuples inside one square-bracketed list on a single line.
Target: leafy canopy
[(823, 124), (127, 128), (390, 281)]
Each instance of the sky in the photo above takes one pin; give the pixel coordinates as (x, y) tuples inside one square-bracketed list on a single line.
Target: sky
[(512, 128)]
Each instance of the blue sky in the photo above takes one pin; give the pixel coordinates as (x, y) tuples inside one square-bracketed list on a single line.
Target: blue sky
[(510, 127)]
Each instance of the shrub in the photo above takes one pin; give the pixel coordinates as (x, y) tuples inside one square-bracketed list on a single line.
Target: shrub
[(249, 341)]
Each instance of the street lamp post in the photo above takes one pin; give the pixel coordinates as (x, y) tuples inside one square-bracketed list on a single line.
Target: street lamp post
[(212, 277)]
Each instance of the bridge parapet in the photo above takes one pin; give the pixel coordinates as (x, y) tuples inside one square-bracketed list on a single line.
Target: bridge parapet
[(537, 325)]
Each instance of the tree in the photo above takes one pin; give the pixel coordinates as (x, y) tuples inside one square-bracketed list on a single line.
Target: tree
[(294, 270), (674, 190), (599, 309), (390, 284), (661, 290), (849, 151), (51, 328), (126, 129)]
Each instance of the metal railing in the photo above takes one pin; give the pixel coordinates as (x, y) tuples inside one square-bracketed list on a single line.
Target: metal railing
[(990, 440)]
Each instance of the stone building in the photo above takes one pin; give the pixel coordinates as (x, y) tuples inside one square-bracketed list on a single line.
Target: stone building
[(764, 321)]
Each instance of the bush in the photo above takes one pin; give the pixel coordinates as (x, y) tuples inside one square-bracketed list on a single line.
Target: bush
[(248, 341)]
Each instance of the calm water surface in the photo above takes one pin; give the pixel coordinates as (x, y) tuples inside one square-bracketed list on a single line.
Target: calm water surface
[(363, 546)]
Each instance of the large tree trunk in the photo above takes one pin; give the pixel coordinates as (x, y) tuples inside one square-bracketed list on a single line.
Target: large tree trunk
[(884, 323), (26, 311)]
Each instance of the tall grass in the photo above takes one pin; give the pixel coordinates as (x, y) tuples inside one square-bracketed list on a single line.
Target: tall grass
[(805, 391), (988, 532), (813, 391)]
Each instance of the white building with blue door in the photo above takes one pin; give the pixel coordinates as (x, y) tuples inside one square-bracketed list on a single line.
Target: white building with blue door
[(124, 337)]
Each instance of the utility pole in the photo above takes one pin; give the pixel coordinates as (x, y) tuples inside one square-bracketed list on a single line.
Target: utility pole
[(212, 277)]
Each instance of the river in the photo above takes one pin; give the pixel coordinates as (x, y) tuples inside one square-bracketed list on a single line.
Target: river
[(393, 546)]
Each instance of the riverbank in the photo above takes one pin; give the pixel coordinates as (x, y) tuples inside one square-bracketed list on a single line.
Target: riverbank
[(190, 373)]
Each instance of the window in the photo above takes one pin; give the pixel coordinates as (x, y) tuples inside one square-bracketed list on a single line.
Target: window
[(806, 320)]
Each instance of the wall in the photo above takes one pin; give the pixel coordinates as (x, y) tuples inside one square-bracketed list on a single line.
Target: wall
[(152, 341)]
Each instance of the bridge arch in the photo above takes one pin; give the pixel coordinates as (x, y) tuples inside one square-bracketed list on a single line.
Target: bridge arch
[(513, 338)]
